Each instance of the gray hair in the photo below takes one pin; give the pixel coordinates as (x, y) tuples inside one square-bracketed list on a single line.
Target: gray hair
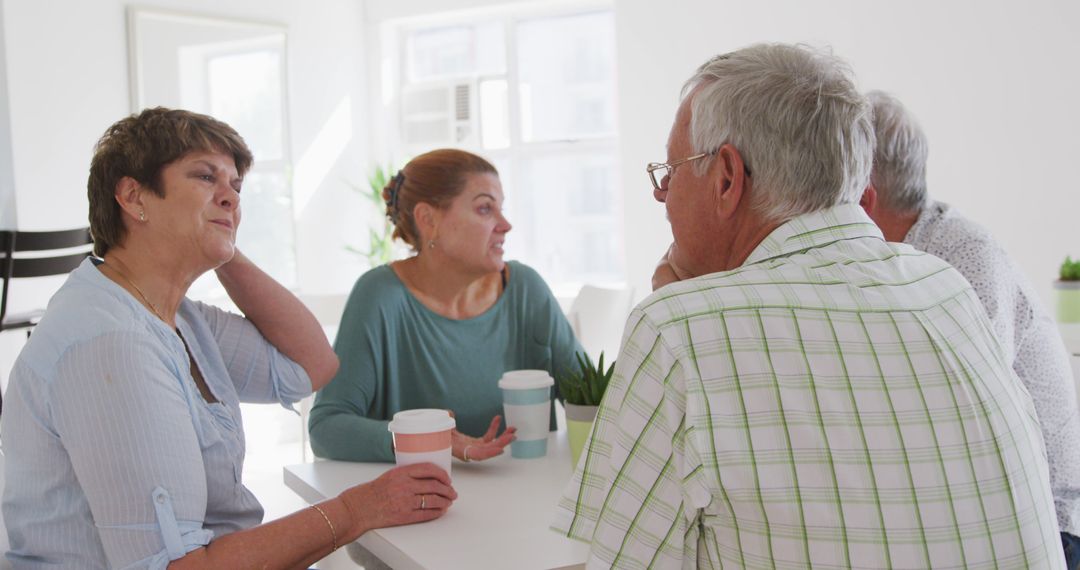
[(900, 155), (802, 128)]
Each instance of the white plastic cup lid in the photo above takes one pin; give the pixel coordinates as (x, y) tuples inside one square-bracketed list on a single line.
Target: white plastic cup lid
[(421, 421), (526, 380)]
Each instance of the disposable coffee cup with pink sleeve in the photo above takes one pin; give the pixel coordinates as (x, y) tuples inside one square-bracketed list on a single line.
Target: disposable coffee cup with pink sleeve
[(422, 436)]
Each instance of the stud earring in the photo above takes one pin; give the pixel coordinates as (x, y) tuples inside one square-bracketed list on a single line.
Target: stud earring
[(431, 244), (142, 216)]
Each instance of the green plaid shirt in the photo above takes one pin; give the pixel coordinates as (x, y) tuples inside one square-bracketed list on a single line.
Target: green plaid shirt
[(836, 402)]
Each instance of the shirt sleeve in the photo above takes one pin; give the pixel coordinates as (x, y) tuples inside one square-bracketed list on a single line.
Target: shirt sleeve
[(124, 417), (260, 373), (627, 496), (338, 425)]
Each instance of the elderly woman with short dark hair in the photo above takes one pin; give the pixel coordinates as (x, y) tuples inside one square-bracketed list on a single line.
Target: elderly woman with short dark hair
[(122, 424)]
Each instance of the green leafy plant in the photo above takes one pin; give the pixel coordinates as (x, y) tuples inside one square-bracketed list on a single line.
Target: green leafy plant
[(1070, 270), (586, 386), (380, 236)]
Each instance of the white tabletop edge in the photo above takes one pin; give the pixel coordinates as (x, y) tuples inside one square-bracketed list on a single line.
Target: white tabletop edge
[(300, 486)]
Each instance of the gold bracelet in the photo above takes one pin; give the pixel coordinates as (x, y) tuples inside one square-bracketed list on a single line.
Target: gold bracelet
[(333, 533)]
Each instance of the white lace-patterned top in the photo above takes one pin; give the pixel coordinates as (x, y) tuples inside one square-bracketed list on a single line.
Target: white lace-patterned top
[(1028, 334)]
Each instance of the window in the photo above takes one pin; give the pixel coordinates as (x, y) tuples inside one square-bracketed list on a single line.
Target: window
[(235, 72), (534, 92), (242, 84)]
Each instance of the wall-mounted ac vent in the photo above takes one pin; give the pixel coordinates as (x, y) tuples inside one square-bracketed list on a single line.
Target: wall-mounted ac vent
[(439, 114)]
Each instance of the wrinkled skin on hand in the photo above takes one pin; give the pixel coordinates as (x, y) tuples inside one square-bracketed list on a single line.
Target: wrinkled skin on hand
[(668, 270), (394, 498)]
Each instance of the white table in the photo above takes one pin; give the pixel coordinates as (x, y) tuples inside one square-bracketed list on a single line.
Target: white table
[(499, 520)]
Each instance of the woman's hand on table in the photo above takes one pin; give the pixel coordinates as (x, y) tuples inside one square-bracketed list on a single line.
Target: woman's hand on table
[(468, 448), (403, 495)]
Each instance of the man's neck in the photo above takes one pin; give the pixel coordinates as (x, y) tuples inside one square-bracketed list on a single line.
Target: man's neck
[(747, 238), (740, 236), (896, 225)]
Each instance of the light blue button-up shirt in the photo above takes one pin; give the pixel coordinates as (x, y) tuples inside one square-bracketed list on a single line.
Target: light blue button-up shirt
[(113, 457)]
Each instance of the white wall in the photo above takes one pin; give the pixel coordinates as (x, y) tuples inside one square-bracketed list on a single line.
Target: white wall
[(379, 11), (67, 80), (7, 183), (993, 82)]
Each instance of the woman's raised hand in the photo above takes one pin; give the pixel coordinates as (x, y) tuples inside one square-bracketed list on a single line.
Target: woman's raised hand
[(468, 448), (403, 495)]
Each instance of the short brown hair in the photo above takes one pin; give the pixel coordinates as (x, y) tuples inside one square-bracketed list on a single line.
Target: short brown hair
[(435, 178), (141, 146)]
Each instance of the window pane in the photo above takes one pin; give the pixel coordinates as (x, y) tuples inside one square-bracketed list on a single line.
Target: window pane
[(455, 51), (265, 236), (561, 198), (494, 114), (566, 215), (245, 92), (490, 48), (266, 227), (567, 81)]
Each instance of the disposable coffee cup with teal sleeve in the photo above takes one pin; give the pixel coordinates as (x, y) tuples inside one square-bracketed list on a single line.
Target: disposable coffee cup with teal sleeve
[(527, 406)]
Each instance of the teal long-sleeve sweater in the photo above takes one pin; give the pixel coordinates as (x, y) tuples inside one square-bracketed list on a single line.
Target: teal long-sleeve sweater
[(396, 354)]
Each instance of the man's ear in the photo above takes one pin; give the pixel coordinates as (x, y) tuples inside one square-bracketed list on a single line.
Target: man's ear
[(869, 200), (129, 194), (730, 179)]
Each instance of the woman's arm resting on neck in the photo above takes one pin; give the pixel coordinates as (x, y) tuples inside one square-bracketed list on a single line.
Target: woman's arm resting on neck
[(280, 317)]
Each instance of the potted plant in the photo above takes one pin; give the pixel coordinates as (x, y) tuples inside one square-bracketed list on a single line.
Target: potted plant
[(1068, 292), (381, 234), (582, 391)]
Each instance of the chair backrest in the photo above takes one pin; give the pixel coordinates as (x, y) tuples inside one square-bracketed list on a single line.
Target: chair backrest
[(12, 266), (598, 316)]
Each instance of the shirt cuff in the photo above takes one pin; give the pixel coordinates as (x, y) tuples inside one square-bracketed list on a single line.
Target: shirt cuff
[(180, 537), (291, 382)]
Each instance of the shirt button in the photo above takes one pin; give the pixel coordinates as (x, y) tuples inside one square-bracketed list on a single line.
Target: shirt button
[(161, 499)]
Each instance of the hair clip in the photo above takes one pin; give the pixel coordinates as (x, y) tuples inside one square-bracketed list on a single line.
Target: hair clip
[(392, 196)]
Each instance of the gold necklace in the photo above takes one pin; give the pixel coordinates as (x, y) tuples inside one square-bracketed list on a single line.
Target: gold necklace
[(153, 307)]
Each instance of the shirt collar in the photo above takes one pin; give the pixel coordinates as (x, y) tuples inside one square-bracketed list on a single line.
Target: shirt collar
[(815, 229), (929, 216)]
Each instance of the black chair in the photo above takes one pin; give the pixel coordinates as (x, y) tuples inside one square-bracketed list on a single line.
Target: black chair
[(14, 242)]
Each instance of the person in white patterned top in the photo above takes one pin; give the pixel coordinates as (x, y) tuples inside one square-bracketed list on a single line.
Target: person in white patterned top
[(897, 200), (806, 394)]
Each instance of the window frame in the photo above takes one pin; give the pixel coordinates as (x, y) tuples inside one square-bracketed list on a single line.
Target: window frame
[(394, 77)]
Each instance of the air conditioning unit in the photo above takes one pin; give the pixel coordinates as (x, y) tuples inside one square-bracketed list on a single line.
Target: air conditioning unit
[(439, 114)]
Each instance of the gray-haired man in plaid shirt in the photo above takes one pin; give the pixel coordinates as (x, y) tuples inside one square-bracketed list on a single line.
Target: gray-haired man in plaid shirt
[(802, 393)]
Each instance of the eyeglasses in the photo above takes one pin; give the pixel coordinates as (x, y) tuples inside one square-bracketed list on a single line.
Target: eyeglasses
[(661, 172)]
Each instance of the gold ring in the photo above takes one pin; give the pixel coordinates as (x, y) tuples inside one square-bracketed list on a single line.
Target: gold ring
[(423, 502), (465, 454)]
